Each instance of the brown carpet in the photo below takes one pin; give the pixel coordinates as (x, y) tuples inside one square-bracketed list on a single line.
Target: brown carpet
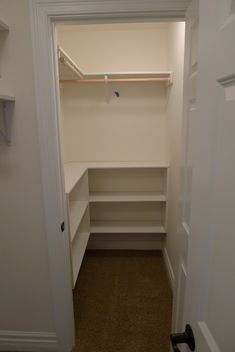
[(122, 303)]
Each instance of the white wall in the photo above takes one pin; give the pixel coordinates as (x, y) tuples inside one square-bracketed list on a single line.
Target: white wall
[(116, 47), (174, 117), (131, 127), (25, 297)]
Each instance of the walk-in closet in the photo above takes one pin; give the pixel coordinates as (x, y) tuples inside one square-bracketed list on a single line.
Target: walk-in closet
[(121, 91)]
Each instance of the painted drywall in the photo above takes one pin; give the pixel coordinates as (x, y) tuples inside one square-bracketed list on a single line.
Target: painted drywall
[(174, 118), (131, 127), (99, 126), (116, 47), (26, 303)]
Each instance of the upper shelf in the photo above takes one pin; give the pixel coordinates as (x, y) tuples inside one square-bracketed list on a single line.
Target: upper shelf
[(3, 26), (70, 73), (6, 98), (73, 171)]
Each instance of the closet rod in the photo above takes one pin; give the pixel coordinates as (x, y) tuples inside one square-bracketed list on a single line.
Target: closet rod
[(110, 80)]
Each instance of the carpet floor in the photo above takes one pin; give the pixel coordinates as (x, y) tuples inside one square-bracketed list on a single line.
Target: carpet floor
[(122, 302)]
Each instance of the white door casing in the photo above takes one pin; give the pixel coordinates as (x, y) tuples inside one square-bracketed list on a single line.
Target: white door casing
[(208, 264), (43, 14)]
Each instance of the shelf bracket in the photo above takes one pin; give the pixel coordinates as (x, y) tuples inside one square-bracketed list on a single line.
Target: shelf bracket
[(170, 81), (106, 87), (7, 115)]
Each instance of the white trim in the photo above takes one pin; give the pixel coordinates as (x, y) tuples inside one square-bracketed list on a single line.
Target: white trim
[(186, 228), (169, 269), (28, 341), (208, 337), (43, 14)]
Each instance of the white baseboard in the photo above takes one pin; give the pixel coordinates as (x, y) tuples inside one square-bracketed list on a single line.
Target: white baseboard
[(126, 242), (170, 272), (27, 341)]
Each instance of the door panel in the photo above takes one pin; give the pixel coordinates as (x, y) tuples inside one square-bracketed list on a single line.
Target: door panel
[(209, 296), (221, 307), (180, 296)]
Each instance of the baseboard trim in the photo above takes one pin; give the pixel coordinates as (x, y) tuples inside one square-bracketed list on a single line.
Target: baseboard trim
[(126, 242), (170, 272), (28, 341)]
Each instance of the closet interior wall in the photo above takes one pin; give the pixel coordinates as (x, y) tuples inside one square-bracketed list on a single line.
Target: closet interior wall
[(130, 127), (133, 122)]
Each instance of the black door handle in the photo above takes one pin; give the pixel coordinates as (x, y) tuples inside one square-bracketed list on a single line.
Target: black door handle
[(186, 337)]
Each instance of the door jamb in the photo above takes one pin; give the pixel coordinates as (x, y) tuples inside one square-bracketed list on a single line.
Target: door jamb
[(43, 16)]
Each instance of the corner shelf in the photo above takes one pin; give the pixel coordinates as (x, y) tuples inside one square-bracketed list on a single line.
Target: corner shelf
[(70, 72), (114, 198), (73, 172), (7, 104)]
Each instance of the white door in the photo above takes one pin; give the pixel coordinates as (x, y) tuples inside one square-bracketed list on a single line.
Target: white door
[(189, 117), (210, 276)]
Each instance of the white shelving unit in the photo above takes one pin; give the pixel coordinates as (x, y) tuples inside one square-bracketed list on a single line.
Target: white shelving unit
[(79, 244), (76, 188), (114, 198), (70, 72)]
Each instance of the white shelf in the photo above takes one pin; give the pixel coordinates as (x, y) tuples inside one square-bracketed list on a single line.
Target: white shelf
[(70, 72), (6, 98), (127, 164), (3, 26), (77, 211), (127, 227), (127, 197), (72, 174), (74, 170), (136, 74)]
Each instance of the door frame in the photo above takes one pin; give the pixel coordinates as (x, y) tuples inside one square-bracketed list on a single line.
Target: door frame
[(44, 15)]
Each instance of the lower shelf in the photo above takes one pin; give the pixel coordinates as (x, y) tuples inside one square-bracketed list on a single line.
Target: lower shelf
[(127, 197), (78, 250), (77, 211), (127, 227)]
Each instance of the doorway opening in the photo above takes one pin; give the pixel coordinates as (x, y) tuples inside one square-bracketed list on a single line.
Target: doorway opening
[(121, 98)]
